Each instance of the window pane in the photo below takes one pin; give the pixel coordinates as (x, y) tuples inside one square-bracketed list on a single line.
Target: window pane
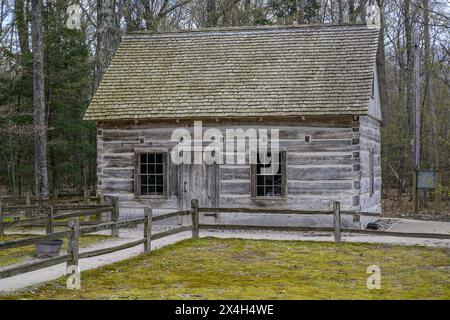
[(270, 183), (277, 180), (159, 189), (260, 180), (269, 191), (143, 158), (260, 192), (277, 191), (151, 174)]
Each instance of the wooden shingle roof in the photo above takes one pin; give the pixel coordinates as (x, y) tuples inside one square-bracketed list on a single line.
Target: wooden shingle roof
[(267, 71)]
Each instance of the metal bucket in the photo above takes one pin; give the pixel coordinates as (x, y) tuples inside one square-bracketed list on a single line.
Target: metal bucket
[(48, 249)]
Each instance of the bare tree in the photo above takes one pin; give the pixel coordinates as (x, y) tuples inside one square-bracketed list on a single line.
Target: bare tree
[(211, 13), (107, 36), (40, 130), (301, 11), (22, 26), (381, 65), (341, 11)]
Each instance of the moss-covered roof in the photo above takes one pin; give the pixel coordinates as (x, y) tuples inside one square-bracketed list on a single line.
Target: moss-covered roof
[(276, 71)]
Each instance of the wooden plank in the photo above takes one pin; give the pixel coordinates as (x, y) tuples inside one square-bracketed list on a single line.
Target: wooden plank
[(31, 266), (83, 213), (148, 230), (108, 225), (337, 221), (170, 215), (171, 232), (49, 223), (115, 217), (321, 173), (73, 242), (195, 218), (100, 252), (34, 240), (78, 207), (323, 229), (1, 220), (259, 227), (262, 211)]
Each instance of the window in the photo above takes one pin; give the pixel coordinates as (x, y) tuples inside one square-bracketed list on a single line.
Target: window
[(151, 180), (269, 185), (372, 171)]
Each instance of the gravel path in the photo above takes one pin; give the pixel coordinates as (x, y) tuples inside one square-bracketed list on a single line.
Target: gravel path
[(127, 235)]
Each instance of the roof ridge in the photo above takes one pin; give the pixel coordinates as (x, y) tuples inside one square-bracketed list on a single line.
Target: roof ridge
[(250, 28)]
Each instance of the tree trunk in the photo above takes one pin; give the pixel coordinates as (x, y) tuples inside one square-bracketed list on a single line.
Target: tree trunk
[(211, 13), (22, 27), (429, 106), (351, 11), (40, 130), (107, 37), (301, 11), (341, 11), (381, 67), (409, 66), (362, 10)]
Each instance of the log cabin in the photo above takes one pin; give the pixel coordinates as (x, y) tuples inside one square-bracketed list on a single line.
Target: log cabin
[(316, 84)]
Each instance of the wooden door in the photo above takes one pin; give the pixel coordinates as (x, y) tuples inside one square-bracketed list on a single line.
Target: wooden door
[(199, 181)]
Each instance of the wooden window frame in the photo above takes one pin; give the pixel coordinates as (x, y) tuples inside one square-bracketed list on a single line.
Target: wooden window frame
[(253, 180), (137, 182)]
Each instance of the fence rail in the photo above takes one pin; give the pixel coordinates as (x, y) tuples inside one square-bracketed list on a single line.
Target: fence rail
[(49, 215), (74, 231), (337, 229)]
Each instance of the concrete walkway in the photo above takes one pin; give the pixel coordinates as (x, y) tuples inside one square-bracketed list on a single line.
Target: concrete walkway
[(127, 235), (407, 225)]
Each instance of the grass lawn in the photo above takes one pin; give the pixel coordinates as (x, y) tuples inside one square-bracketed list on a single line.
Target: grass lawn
[(259, 269), (23, 254)]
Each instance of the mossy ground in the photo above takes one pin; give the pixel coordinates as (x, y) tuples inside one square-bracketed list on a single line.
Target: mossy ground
[(23, 254), (247, 269)]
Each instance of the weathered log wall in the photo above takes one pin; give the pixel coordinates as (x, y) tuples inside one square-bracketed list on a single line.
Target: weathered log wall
[(328, 168), (370, 139)]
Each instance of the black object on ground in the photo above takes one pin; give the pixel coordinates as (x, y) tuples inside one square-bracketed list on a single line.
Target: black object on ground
[(372, 226)]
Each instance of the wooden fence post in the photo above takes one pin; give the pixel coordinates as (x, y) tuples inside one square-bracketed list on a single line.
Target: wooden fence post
[(49, 225), (87, 200), (55, 194), (148, 229), (337, 221), (28, 204), (195, 218), (438, 193), (87, 196), (115, 216), (2, 233), (415, 193), (72, 245)]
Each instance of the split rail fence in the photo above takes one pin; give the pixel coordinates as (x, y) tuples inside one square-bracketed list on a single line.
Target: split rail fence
[(72, 256)]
